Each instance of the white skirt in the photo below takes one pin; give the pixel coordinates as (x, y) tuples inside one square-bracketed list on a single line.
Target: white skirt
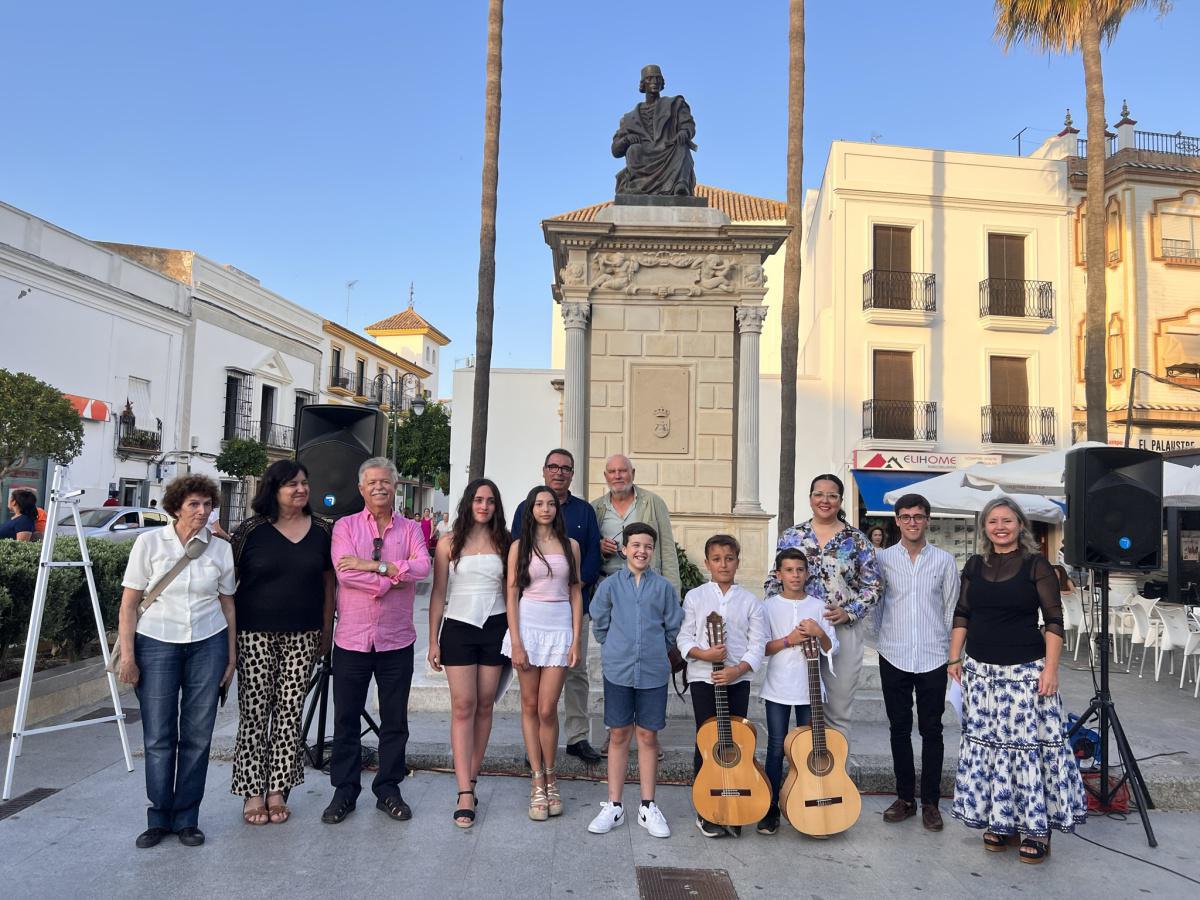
[(545, 631)]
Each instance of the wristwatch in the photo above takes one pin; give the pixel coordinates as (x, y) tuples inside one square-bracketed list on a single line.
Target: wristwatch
[(381, 568)]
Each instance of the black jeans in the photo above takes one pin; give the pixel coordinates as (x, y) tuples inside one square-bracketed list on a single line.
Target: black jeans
[(704, 705), (352, 671), (930, 688)]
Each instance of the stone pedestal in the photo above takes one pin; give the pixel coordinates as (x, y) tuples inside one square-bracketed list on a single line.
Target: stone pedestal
[(663, 308)]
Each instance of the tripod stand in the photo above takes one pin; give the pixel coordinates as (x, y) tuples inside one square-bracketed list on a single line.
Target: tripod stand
[(318, 706), (1105, 710)]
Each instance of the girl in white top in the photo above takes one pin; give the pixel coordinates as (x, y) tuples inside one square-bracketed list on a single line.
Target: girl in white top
[(792, 616), (467, 623)]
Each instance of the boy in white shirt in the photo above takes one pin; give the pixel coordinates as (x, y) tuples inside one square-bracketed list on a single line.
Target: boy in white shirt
[(742, 652), (792, 617)]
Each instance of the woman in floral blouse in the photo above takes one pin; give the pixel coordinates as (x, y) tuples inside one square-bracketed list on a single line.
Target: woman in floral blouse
[(842, 572)]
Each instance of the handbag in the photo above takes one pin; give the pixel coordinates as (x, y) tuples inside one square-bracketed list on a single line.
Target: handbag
[(194, 550)]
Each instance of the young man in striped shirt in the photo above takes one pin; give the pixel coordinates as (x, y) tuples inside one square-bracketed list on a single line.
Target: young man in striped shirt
[(920, 591)]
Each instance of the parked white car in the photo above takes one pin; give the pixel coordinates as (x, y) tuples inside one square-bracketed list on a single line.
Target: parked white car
[(114, 523)]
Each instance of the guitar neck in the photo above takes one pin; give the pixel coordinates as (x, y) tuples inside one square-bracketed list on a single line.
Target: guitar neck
[(815, 704), (721, 701)]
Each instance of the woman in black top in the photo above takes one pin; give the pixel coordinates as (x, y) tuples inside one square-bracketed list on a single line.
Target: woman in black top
[(1017, 777), (285, 619)]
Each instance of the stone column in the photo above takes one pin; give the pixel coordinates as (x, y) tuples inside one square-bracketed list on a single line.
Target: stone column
[(575, 393), (749, 322)]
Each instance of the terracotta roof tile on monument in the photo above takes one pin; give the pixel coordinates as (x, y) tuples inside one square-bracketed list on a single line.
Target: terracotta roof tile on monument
[(739, 207)]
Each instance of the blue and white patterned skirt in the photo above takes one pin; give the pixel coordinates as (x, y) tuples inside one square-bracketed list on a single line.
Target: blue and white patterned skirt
[(1016, 772)]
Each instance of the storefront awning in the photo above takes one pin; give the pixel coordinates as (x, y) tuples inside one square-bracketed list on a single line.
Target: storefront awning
[(873, 485)]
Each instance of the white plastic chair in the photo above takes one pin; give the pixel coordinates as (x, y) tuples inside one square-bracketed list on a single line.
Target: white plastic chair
[(1172, 636), (1144, 630), (1192, 648), (1073, 619)]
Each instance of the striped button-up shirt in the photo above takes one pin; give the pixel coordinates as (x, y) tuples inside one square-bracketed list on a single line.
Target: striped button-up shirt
[(913, 617), (375, 612)]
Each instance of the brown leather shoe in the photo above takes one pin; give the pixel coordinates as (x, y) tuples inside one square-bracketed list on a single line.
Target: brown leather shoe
[(931, 817), (899, 811)]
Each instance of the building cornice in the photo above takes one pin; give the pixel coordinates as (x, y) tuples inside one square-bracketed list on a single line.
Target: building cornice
[(890, 196), (344, 334)]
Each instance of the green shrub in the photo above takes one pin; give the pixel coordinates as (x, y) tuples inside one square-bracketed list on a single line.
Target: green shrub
[(68, 622), (689, 576)]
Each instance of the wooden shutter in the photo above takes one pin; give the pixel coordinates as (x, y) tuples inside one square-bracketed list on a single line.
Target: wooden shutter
[(893, 408), (893, 248), (1010, 400), (1006, 274)]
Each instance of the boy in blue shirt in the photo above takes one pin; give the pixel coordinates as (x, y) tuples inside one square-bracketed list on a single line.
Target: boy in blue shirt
[(635, 617)]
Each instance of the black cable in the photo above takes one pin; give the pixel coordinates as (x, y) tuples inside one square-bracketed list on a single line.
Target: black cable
[(1138, 858)]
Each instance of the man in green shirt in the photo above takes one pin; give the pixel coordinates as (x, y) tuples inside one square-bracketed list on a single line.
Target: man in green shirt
[(623, 504)]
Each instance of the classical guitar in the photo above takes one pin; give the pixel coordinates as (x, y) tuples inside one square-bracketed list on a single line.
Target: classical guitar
[(730, 788), (818, 796)]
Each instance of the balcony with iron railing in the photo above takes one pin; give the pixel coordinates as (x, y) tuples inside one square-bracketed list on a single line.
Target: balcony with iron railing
[(343, 380), (1014, 304), (1027, 426), (1177, 144), (899, 298), (274, 436), (1183, 251), (134, 441), (899, 420)]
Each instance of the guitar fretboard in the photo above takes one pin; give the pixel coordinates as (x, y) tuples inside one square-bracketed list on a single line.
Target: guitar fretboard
[(721, 698), (814, 698)]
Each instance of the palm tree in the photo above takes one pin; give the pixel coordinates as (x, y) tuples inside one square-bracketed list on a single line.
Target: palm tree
[(485, 308), (789, 343), (1064, 26)]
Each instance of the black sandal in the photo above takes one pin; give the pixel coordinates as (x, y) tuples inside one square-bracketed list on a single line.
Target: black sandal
[(464, 813), (998, 843), (1034, 851)]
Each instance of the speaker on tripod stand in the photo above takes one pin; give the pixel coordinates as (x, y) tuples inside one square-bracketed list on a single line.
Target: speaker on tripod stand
[(332, 442), (1114, 524)]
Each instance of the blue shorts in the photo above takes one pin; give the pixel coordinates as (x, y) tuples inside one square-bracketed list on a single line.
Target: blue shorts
[(645, 707)]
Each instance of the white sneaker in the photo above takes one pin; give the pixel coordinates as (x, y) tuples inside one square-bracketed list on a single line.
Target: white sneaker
[(651, 818), (609, 817)]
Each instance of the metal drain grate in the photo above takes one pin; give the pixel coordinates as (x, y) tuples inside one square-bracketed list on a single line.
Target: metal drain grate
[(26, 800), (656, 883), (131, 714)]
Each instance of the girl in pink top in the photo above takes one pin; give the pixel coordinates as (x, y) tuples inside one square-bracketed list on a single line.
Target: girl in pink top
[(545, 614)]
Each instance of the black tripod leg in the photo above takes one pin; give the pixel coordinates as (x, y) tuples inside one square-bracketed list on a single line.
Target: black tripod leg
[(1133, 774), (372, 725)]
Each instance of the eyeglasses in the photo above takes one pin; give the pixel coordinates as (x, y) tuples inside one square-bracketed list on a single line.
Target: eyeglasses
[(378, 549), (917, 518), (832, 498), (555, 468)]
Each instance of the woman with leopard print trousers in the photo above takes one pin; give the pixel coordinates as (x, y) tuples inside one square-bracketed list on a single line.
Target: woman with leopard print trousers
[(285, 603)]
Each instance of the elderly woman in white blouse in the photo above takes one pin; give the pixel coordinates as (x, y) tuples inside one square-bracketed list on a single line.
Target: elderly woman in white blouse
[(177, 645)]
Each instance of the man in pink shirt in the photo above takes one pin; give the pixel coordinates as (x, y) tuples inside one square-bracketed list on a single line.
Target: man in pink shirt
[(379, 556)]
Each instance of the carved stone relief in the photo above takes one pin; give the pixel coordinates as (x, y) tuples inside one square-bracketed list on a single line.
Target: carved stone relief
[(660, 403), (663, 273)]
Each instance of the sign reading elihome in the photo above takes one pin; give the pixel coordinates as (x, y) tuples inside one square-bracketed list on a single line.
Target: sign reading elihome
[(901, 460)]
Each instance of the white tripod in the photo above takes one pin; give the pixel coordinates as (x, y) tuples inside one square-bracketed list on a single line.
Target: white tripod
[(58, 500)]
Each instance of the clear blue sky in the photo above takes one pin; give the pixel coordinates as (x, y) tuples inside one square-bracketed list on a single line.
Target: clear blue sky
[(311, 143)]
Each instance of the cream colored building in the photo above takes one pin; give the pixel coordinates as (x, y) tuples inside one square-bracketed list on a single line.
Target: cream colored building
[(933, 317), (408, 334), (1152, 237)]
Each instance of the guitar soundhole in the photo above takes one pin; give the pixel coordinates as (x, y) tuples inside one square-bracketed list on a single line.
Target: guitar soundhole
[(728, 756), (820, 762)]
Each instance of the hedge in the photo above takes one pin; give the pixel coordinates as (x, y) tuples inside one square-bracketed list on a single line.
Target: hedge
[(68, 622)]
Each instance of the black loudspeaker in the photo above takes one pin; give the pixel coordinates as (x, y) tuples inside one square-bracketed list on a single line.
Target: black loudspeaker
[(333, 441), (1114, 508)]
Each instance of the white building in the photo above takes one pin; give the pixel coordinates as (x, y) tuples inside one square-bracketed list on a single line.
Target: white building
[(934, 317), (252, 360), (110, 334)]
